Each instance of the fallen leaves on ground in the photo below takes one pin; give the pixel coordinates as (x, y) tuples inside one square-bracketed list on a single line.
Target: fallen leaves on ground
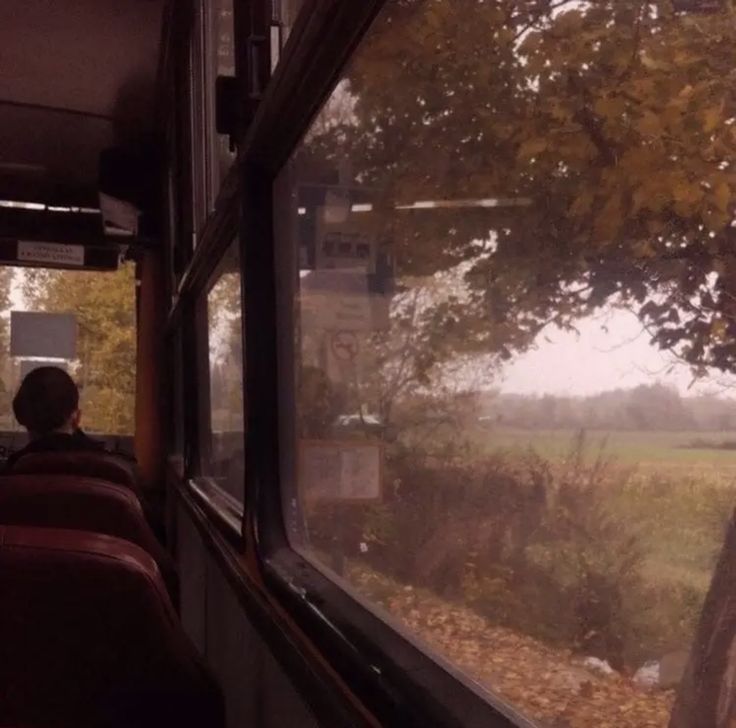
[(550, 685)]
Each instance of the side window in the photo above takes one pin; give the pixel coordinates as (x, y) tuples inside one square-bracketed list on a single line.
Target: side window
[(212, 54), (220, 61), (222, 461), (506, 284), (283, 16)]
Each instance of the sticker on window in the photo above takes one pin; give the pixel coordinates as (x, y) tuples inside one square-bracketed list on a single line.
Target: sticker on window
[(341, 471)]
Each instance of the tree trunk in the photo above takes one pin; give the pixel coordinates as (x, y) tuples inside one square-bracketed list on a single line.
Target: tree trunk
[(707, 694)]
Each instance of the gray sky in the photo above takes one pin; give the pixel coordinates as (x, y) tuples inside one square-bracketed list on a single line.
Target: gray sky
[(610, 351)]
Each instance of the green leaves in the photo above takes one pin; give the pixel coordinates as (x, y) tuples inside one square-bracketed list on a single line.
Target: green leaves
[(104, 304)]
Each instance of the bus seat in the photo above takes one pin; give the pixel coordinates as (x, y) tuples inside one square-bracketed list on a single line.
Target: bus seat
[(103, 465), (89, 637), (85, 504)]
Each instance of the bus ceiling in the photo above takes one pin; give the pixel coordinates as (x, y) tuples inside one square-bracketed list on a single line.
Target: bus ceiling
[(77, 119)]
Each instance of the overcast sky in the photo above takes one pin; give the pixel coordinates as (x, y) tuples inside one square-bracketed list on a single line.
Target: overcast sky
[(610, 351)]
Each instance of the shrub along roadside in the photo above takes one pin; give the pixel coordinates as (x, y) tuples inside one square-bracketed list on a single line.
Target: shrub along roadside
[(560, 550)]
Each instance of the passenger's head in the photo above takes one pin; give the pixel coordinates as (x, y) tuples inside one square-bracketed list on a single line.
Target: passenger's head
[(47, 401)]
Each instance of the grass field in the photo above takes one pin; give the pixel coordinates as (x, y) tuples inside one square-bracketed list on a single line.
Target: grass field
[(632, 448), (644, 531), (677, 498), (625, 551)]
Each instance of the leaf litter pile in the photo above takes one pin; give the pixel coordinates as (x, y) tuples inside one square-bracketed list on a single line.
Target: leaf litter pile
[(551, 686)]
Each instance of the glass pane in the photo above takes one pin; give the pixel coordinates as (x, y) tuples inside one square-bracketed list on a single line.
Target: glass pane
[(84, 322), (223, 448), (285, 13), (220, 62), (507, 287)]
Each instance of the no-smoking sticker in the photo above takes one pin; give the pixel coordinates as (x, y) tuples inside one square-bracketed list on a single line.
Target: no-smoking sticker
[(344, 346)]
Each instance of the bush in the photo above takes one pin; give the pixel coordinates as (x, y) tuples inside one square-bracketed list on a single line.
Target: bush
[(516, 537), (552, 548)]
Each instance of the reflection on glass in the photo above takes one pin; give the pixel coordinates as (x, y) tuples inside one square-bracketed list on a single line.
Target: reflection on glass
[(512, 233), (224, 448)]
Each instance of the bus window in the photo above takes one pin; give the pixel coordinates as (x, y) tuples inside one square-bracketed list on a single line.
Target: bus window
[(220, 61), (222, 443), (507, 273), (85, 322), (284, 15)]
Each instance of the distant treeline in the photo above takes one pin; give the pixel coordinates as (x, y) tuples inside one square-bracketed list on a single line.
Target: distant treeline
[(646, 407)]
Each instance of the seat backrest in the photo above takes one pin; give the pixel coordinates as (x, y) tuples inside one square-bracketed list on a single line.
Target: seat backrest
[(89, 637), (84, 463), (85, 504)]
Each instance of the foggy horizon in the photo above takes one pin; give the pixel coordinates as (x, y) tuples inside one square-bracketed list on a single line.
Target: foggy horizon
[(610, 350)]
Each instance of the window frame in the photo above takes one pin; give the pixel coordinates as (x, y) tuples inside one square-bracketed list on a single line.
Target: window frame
[(215, 227), (191, 306), (362, 662), (174, 86), (227, 507), (198, 102), (211, 72), (280, 29), (387, 668)]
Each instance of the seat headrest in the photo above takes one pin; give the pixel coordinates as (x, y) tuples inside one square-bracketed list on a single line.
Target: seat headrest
[(89, 549), (86, 504), (103, 465), (89, 636), (52, 485)]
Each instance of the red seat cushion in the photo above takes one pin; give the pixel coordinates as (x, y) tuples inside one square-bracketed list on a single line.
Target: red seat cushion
[(83, 463), (89, 638), (85, 504)]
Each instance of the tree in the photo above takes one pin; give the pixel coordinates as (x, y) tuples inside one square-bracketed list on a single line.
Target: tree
[(418, 355), (657, 407), (224, 325), (104, 306), (605, 133), (6, 284), (408, 369)]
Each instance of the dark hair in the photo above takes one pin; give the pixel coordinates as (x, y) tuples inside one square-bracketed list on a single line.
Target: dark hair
[(46, 400)]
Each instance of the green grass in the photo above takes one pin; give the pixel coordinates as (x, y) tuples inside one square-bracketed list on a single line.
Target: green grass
[(676, 499), (631, 448), (679, 498)]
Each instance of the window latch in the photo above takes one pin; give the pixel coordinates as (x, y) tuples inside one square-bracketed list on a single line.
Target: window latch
[(255, 44), (227, 114)]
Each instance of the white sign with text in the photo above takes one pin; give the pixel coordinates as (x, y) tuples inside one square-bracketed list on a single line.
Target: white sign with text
[(50, 253), (340, 471)]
